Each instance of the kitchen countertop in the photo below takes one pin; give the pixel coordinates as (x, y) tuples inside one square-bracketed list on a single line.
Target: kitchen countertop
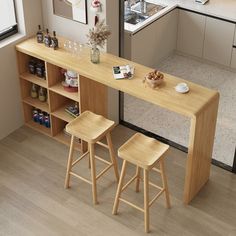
[(225, 9)]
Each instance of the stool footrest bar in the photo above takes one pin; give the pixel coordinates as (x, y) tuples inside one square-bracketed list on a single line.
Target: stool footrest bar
[(155, 186), (156, 170), (128, 183), (103, 171), (155, 198), (102, 160), (102, 144), (131, 204), (80, 158), (80, 177)]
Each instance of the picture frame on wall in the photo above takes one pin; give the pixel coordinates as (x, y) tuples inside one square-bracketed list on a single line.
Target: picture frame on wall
[(71, 9)]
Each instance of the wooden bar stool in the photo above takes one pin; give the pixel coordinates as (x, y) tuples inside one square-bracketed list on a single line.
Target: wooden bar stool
[(145, 153), (91, 128)]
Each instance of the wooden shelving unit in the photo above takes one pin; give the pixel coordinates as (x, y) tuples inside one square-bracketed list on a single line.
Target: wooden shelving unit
[(58, 99), (91, 95)]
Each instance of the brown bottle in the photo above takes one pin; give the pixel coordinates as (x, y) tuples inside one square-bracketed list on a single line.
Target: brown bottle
[(47, 39), (39, 35), (54, 41)]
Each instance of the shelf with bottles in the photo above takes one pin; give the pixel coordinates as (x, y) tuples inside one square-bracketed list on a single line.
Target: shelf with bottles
[(34, 95), (37, 119), (59, 133), (56, 82), (32, 69), (63, 107)]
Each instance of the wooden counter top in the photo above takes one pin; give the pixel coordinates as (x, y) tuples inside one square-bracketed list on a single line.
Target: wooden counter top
[(165, 96)]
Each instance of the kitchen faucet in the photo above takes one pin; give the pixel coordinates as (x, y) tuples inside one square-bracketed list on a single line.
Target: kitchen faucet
[(132, 2)]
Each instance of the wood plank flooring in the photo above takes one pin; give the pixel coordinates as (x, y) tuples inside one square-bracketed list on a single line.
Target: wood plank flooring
[(33, 200)]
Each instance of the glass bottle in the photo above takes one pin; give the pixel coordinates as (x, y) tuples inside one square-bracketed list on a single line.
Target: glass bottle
[(42, 94), (54, 41), (95, 55), (47, 39), (34, 91), (39, 35)]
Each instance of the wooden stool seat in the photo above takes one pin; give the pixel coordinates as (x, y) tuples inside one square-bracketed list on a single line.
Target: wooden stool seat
[(146, 153), (89, 127), (142, 151)]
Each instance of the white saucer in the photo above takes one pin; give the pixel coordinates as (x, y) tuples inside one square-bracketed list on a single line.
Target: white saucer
[(184, 90)]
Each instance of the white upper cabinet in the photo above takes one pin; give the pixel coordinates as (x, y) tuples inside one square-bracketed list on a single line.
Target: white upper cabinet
[(191, 30), (218, 42)]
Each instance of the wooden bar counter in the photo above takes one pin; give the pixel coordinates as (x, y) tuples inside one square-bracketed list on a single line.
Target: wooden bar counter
[(199, 104)]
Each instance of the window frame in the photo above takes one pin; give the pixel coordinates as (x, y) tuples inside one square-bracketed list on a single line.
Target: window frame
[(12, 30)]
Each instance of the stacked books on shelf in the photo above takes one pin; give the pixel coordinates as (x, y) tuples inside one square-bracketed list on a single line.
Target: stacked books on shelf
[(73, 110)]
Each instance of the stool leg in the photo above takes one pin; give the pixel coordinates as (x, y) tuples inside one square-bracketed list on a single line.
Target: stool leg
[(138, 169), (119, 188), (69, 163), (146, 200), (164, 181), (112, 155), (93, 173)]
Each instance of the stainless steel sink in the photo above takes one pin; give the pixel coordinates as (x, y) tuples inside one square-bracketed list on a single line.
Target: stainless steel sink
[(135, 18), (141, 11), (147, 8)]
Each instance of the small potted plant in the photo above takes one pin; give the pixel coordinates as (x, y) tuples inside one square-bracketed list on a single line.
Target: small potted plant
[(97, 36)]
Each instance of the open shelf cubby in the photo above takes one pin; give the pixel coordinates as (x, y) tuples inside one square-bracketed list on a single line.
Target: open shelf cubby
[(59, 104), (58, 132), (28, 115)]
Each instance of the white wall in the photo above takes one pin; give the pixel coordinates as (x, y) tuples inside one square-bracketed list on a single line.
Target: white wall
[(10, 106), (69, 28)]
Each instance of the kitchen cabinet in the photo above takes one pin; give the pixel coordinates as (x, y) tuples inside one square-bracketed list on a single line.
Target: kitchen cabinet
[(219, 36), (233, 61), (153, 43), (191, 29), (235, 37)]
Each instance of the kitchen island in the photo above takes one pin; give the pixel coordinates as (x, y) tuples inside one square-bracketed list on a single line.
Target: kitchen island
[(199, 104)]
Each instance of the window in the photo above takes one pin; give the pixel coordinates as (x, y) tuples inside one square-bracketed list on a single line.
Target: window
[(8, 24)]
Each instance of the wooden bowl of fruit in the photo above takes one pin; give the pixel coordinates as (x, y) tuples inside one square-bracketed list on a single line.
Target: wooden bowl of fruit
[(154, 78)]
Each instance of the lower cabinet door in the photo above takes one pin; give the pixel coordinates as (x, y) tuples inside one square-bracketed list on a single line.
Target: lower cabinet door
[(219, 37), (233, 61)]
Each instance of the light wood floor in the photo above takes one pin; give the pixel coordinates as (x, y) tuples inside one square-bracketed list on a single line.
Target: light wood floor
[(34, 202)]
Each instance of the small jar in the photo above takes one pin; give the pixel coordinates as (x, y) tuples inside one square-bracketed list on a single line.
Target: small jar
[(42, 94), (47, 120), (35, 115), (41, 118), (32, 66), (34, 91), (40, 70)]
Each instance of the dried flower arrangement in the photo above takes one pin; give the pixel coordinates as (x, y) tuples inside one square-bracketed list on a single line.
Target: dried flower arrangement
[(98, 34)]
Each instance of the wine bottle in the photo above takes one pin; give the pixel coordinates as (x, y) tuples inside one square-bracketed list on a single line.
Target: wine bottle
[(54, 41), (39, 35), (47, 39)]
